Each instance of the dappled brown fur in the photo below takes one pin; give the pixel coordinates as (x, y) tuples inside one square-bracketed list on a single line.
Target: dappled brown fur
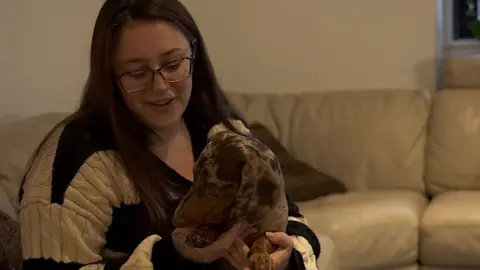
[(236, 179)]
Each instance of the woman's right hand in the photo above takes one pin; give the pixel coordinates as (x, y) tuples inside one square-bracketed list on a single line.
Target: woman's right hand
[(238, 253), (220, 248)]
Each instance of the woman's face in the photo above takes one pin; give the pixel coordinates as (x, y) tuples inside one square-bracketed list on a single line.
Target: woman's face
[(157, 98)]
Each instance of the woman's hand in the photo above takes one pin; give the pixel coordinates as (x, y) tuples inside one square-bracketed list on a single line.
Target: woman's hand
[(238, 254), (284, 246), (220, 248)]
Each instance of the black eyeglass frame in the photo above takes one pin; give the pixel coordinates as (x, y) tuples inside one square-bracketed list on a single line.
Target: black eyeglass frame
[(190, 58)]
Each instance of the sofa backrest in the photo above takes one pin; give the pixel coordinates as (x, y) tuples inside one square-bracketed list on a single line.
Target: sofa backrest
[(453, 142), (366, 139), (19, 137)]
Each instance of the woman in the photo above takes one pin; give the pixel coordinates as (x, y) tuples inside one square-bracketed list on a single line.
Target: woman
[(102, 187)]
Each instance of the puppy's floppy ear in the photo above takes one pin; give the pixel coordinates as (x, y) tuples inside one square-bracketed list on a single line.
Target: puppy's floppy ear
[(245, 203), (247, 183), (266, 189), (258, 188)]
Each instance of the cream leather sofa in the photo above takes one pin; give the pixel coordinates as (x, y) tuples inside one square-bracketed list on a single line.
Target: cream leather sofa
[(393, 149)]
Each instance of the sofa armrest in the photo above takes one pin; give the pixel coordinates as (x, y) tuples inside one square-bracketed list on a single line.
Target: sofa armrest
[(328, 259)]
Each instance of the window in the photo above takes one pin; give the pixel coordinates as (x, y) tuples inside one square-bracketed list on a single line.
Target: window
[(464, 12), (456, 38), (458, 51)]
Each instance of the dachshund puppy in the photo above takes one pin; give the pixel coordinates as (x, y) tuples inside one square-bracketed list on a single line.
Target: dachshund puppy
[(236, 179)]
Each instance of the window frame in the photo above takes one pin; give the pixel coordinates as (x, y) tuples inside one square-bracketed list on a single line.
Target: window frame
[(447, 48), (451, 48)]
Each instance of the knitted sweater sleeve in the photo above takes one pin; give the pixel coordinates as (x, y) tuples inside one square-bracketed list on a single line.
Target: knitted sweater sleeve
[(66, 230), (306, 245)]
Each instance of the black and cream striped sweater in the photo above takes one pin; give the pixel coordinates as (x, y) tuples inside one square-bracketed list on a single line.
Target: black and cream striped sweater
[(80, 211)]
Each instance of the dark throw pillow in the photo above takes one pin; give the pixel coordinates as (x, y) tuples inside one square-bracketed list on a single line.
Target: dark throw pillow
[(10, 246), (302, 181)]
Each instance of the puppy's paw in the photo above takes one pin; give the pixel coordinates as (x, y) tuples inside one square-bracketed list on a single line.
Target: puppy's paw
[(261, 261)]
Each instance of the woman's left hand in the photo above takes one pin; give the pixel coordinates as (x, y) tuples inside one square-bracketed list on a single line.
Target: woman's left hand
[(284, 244), (281, 255)]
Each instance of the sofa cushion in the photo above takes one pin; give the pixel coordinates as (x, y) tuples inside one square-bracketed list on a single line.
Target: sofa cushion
[(18, 140), (453, 144), (377, 229), (302, 181), (450, 230), (367, 139)]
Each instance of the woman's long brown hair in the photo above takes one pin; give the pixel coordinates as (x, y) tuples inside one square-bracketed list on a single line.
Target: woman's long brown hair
[(102, 100)]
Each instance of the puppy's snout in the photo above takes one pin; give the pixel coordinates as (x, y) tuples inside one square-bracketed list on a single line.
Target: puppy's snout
[(180, 220)]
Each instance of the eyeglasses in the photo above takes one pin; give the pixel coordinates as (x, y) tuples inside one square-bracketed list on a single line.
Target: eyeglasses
[(172, 72)]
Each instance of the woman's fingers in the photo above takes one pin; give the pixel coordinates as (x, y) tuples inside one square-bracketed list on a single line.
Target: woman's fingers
[(244, 227), (241, 247), (280, 239), (238, 255), (226, 244), (247, 232), (225, 241)]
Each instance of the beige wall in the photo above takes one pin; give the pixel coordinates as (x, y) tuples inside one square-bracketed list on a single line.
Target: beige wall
[(274, 46), (44, 47)]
